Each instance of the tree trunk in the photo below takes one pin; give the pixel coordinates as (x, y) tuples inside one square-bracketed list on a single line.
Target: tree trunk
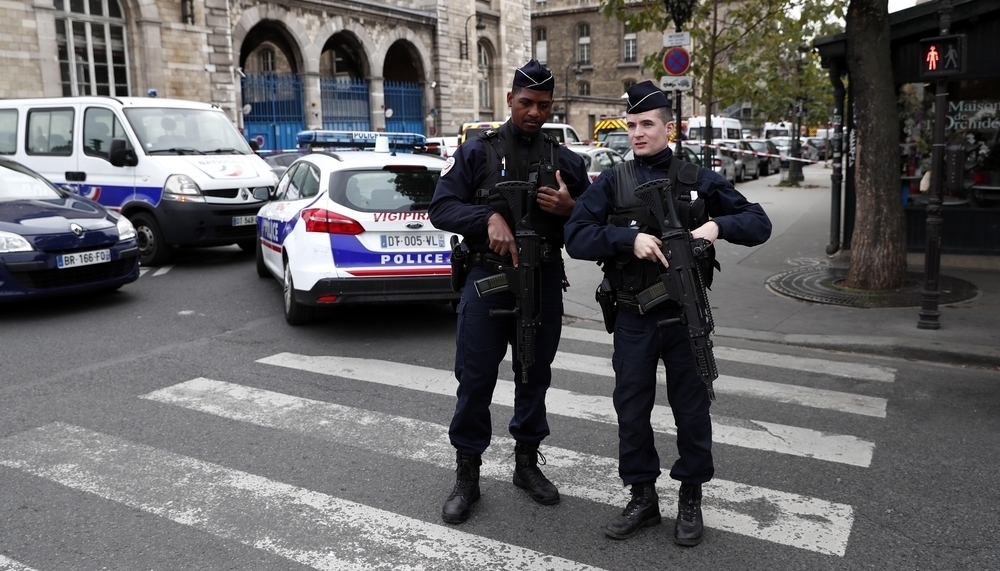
[(878, 246)]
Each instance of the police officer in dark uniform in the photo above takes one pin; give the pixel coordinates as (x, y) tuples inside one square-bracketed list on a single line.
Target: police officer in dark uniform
[(463, 203), (606, 226)]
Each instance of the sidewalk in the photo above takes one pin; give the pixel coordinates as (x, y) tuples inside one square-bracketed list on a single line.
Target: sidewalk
[(743, 307)]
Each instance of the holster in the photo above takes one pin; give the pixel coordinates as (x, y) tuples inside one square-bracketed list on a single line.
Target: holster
[(459, 264), (605, 296)]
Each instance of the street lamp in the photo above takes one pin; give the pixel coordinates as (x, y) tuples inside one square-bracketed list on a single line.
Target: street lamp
[(463, 47), (799, 109), (578, 73)]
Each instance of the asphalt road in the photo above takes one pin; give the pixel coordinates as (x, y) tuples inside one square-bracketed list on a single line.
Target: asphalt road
[(181, 424)]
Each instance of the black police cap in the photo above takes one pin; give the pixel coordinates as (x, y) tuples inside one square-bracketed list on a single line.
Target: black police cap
[(644, 97), (534, 76)]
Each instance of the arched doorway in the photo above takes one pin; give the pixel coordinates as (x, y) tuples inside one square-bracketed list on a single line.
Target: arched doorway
[(404, 93), (271, 86), (344, 91)]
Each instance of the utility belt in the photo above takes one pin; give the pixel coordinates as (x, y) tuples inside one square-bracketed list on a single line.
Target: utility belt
[(646, 301), (550, 255)]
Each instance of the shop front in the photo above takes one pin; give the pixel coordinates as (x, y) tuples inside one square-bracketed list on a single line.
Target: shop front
[(971, 183)]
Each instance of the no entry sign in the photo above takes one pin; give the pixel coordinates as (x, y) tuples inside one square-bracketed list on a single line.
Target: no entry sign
[(676, 61)]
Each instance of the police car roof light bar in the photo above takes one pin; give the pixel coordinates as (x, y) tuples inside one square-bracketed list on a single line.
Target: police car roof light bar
[(318, 139)]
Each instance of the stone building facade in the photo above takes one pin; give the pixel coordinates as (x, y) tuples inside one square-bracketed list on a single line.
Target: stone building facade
[(204, 49), (594, 59)]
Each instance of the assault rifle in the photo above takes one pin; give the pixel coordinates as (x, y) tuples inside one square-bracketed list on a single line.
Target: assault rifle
[(524, 280), (681, 281)]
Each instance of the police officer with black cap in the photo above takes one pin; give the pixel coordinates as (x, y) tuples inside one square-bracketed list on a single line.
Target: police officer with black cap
[(463, 203), (611, 225)]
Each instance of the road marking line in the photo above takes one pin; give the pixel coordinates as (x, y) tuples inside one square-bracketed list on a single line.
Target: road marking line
[(795, 520), (7, 564), (311, 528), (754, 434), (739, 386), (162, 271), (836, 368)]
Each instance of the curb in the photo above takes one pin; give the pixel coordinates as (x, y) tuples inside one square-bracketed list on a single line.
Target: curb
[(911, 349)]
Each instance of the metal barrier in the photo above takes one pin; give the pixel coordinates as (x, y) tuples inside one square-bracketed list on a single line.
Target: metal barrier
[(346, 104), (407, 103), (275, 115)]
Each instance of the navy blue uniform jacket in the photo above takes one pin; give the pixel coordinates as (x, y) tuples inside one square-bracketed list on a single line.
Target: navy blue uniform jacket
[(452, 207), (590, 237)]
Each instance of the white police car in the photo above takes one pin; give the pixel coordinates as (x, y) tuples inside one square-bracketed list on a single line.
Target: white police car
[(352, 226)]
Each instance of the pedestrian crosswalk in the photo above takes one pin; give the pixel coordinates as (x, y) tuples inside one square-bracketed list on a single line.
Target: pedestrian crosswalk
[(323, 531)]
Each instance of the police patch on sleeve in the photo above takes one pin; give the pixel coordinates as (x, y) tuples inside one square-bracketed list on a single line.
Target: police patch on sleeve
[(447, 165)]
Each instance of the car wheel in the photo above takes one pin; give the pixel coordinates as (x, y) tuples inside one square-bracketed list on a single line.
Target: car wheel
[(743, 175), (262, 270), (756, 173), (295, 312), (153, 251)]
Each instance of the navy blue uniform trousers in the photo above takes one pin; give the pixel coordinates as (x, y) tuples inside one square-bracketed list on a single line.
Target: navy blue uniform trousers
[(639, 345), (482, 342)]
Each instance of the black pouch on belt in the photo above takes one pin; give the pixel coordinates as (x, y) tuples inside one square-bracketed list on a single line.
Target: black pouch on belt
[(459, 263)]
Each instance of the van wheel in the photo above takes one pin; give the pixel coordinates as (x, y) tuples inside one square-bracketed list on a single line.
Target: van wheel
[(295, 312), (153, 250), (262, 270)]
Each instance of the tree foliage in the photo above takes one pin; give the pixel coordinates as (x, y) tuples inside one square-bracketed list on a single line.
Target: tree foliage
[(748, 51)]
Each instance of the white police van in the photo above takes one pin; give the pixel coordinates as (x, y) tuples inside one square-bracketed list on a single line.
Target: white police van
[(179, 170), (351, 226)]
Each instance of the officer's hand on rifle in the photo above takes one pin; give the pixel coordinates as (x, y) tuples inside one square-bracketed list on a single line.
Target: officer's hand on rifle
[(647, 247), (501, 238), (556, 201), (708, 231)]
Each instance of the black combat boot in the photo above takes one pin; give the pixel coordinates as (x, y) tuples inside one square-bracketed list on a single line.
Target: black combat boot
[(689, 524), (643, 510), (466, 492), (529, 477)]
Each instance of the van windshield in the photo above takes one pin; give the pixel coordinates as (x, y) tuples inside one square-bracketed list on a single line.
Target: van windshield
[(176, 131)]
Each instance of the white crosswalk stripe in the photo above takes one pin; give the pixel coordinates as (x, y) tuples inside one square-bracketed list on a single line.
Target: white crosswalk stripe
[(858, 371), (7, 564), (308, 527), (799, 521), (738, 386), (755, 434)]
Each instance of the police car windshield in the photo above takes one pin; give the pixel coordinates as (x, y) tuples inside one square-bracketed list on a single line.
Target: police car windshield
[(180, 131), (383, 190)]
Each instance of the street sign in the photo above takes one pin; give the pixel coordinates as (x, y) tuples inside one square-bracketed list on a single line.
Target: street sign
[(676, 39), (942, 56), (676, 83), (676, 61)]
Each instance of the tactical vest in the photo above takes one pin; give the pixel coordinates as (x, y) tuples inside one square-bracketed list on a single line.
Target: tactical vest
[(630, 274), (543, 161)]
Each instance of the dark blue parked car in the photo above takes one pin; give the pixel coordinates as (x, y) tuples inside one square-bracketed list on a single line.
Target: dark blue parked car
[(54, 242)]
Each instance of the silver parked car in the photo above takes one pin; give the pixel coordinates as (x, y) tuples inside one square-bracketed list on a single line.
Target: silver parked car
[(722, 163), (744, 156), (767, 154)]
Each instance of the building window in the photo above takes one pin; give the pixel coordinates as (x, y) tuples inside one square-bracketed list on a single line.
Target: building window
[(484, 78), (267, 61), (91, 38), (629, 50), (583, 44), (584, 88), (541, 45)]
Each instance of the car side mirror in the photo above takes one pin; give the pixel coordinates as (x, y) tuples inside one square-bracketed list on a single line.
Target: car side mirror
[(121, 155), (262, 193)]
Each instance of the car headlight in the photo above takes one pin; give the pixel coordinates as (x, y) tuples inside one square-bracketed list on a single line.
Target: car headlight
[(182, 188), (126, 231), (10, 242)]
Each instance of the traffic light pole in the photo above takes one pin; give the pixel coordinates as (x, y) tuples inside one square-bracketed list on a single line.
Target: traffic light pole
[(930, 294)]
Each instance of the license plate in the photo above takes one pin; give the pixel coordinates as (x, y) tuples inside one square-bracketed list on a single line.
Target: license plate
[(244, 220), (406, 241), (83, 258)]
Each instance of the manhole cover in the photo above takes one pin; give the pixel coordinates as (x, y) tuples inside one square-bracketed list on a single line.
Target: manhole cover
[(821, 284)]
